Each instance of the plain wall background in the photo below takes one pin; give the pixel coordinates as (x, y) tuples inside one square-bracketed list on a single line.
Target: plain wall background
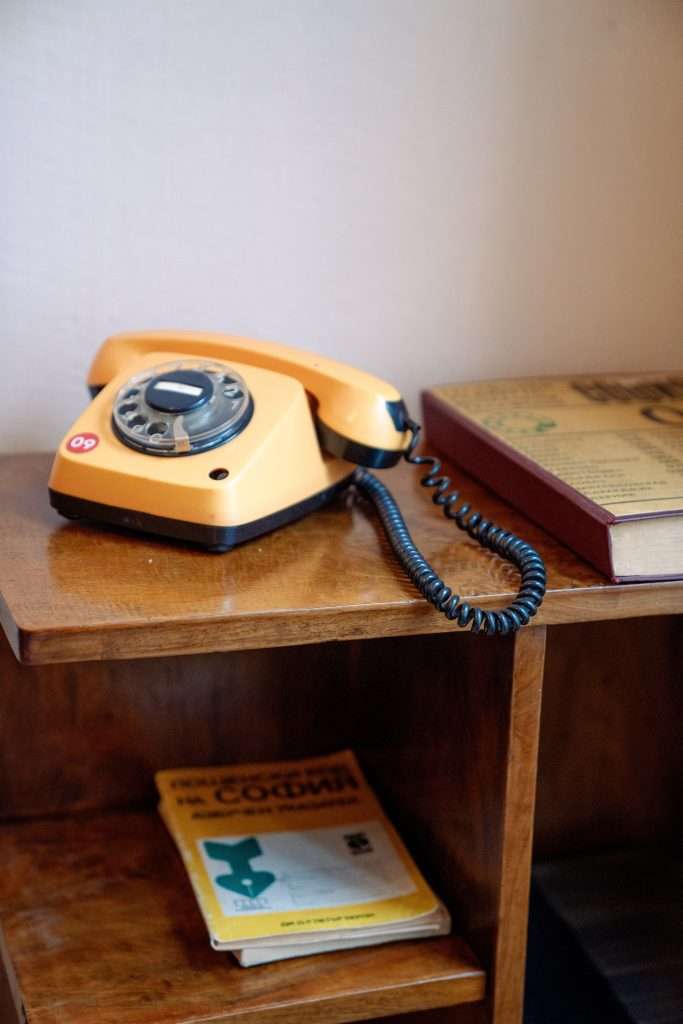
[(430, 190)]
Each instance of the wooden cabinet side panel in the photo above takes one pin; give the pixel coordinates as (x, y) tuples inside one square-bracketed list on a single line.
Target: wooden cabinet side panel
[(88, 736)]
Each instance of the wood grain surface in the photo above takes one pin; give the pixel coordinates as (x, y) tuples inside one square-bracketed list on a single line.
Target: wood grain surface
[(611, 756), (445, 728), (74, 592), (103, 928), (449, 742), (518, 825), (77, 737)]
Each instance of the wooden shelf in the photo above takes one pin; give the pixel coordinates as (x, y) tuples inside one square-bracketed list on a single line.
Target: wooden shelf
[(101, 927), (72, 592)]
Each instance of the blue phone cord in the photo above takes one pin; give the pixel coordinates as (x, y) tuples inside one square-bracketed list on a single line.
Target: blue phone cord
[(484, 531)]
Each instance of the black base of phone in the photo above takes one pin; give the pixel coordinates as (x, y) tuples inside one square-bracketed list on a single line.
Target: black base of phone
[(217, 539)]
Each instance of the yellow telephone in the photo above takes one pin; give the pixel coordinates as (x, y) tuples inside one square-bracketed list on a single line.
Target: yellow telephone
[(217, 439)]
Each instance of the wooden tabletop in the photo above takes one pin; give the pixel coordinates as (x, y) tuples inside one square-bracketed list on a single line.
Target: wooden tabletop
[(75, 592)]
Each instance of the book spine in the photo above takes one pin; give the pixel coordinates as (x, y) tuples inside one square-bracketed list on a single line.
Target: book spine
[(547, 500)]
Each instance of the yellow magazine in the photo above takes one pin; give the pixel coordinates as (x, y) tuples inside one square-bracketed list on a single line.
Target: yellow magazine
[(293, 853)]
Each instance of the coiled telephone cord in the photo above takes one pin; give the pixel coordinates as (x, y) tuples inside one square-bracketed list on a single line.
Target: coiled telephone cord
[(484, 531)]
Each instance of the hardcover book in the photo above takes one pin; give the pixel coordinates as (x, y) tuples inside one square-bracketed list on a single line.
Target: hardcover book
[(295, 857), (595, 460)]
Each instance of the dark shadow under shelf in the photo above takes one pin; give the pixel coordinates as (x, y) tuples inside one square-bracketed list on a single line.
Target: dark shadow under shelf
[(606, 940)]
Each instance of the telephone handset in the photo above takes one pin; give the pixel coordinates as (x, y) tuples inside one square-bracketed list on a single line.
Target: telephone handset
[(215, 440)]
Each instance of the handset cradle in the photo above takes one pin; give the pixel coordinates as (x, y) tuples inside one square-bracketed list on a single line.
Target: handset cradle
[(217, 439)]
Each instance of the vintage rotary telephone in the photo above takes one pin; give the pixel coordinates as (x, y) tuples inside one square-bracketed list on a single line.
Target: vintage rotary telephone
[(216, 440)]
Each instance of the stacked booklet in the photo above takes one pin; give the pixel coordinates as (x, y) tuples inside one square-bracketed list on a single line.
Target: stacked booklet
[(292, 858)]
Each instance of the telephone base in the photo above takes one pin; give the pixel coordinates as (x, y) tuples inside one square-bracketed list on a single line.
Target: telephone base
[(215, 539)]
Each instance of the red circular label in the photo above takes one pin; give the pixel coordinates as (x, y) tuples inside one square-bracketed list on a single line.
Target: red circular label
[(79, 444)]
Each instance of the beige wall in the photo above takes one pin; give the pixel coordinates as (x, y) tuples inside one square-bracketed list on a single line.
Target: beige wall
[(432, 190)]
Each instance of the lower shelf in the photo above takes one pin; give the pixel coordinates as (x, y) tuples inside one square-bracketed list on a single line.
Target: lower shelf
[(101, 927), (622, 913)]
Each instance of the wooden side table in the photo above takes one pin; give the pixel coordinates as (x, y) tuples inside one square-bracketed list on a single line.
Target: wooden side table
[(123, 654)]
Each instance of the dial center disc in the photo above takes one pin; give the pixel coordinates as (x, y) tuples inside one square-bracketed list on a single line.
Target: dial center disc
[(179, 391)]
